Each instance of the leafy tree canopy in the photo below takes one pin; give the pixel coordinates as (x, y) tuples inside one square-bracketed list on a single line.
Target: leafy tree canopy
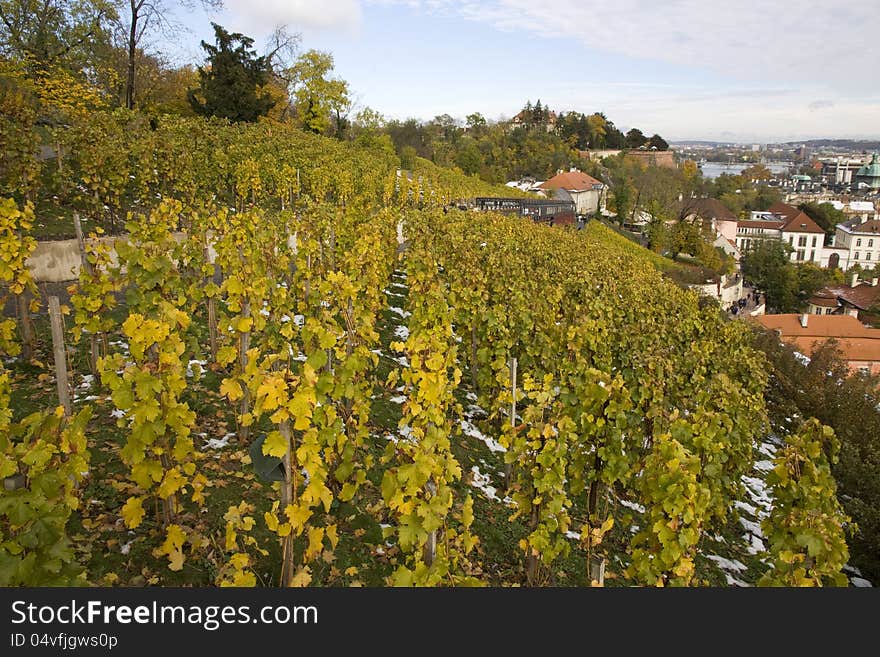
[(318, 98), (230, 83)]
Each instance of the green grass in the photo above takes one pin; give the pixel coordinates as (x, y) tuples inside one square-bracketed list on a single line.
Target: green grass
[(683, 273)]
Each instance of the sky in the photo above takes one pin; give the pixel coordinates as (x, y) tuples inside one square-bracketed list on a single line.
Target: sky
[(752, 71)]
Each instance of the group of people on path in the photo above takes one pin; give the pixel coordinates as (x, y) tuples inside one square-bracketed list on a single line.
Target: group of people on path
[(750, 301)]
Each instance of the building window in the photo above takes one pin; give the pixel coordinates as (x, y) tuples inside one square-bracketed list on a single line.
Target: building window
[(791, 239), (870, 243), (868, 256), (800, 254), (812, 256), (856, 256), (859, 242), (802, 240), (814, 241)]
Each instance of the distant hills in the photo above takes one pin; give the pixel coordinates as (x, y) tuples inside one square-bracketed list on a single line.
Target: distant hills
[(847, 144), (850, 144)]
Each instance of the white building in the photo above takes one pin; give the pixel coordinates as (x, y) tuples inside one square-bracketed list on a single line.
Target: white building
[(840, 170), (786, 223), (863, 210), (585, 191), (858, 242)]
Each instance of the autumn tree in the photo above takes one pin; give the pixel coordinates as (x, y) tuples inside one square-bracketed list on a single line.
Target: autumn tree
[(597, 126), (756, 172), (476, 123), (319, 99), (635, 138), (52, 32), (656, 141), (230, 84), (767, 265), (139, 17), (824, 214)]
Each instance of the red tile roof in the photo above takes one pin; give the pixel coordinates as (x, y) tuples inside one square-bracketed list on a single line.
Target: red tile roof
[(862, 296), (871, 227), (772, 224), (825, 302), (801, 223), (707, 208), (573, 181), (827, 326), (784, 210), (856, 341), (853, 349)]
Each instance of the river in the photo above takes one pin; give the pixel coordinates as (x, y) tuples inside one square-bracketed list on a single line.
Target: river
[(715, 169)]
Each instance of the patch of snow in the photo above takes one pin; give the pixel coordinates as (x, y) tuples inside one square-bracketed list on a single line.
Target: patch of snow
[(219, 443), (473, 411), (768, 449), (399, 399), (481, 481), (88, 380), (400, 311), (126, 547), (763, 466), (727, 564), (752, 527), (756, 546), (757, 491), (635, 506), (748, 508), (733, 581), (860, 582), (117, 413), (401, 332), (470, 430), (575, 536)]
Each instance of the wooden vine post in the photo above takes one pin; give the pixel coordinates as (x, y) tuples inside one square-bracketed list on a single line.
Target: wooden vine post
[(60, 355), (87, 267)]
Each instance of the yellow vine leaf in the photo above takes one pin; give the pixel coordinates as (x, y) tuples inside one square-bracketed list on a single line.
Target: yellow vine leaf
[(302, 578), (133, 512), (275, 444)]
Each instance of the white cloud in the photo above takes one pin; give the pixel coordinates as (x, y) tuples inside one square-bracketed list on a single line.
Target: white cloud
[(259, 17), (754, 40), (820, 104)]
